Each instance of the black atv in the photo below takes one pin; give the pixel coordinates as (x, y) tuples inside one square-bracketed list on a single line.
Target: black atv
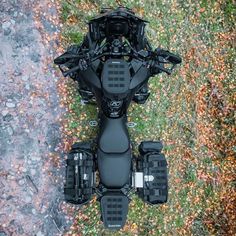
[(112, 67)]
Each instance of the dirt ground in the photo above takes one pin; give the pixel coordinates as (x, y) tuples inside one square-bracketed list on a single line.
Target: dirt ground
[(30, 164)]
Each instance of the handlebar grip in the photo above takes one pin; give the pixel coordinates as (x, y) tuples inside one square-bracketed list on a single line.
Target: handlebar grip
[(68, 72), (60, 60), (66, 57), (161, 68), (174, 58)]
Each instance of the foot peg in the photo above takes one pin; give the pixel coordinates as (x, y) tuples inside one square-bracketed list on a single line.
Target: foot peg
[(114, 208), (79, 177)]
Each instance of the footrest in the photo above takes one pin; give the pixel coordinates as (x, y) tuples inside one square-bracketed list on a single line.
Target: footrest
[(155, 178), (114, 208)]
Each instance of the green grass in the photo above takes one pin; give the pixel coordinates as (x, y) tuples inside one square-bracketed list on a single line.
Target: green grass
[(229, 9), (74, 36)]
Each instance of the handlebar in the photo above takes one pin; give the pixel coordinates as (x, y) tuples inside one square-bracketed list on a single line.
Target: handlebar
[(175, 59), (161, 68), (68, 72), (153, 59)]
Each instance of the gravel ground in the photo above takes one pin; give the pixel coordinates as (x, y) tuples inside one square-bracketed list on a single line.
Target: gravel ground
[(31, 167)]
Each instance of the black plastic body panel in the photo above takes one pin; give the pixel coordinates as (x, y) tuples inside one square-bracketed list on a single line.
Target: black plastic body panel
[(140, 77), (90, 78)]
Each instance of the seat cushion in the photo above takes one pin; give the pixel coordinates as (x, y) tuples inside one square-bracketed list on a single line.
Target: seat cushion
[(113, 137), (114, 169)]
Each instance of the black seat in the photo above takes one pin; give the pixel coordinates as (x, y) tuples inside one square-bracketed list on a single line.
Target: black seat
[(114, 137), (114, 168), (114, 152)]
